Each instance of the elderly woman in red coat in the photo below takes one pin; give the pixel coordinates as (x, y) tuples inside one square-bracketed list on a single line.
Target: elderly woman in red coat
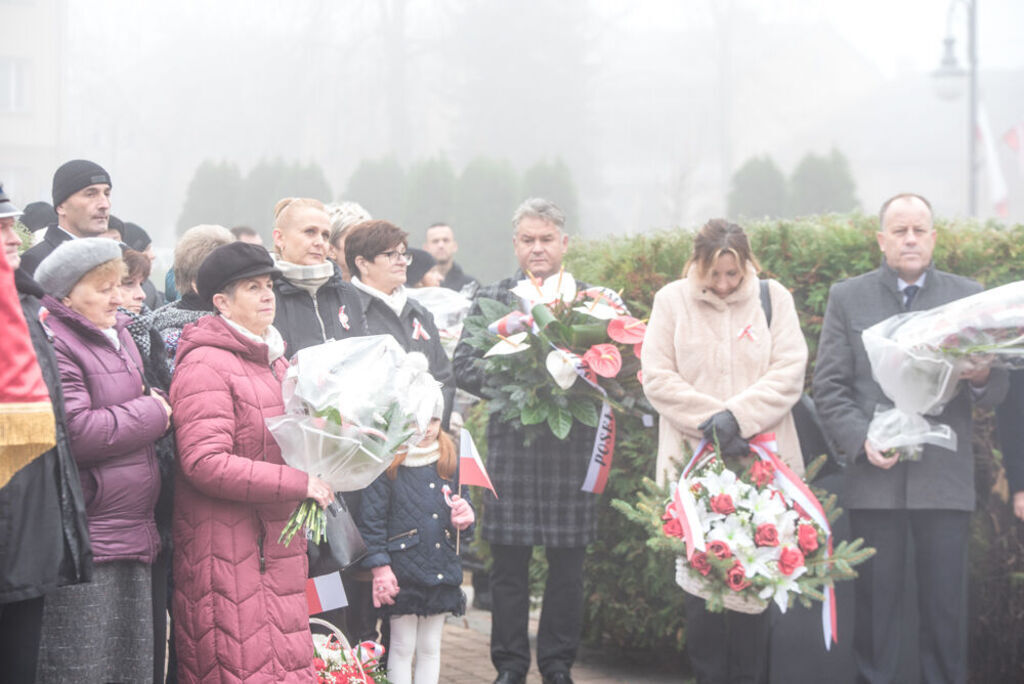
[(239, 600)]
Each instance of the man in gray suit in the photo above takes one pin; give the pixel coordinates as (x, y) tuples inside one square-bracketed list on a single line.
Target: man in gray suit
[(894, 503)]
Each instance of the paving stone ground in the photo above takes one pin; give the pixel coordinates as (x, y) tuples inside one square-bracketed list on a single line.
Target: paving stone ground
[(466, 659)]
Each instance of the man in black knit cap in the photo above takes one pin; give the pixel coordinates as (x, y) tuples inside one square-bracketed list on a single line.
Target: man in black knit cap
[(81, 197)]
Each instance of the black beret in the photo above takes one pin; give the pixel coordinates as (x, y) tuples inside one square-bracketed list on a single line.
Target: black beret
[(231, 262)]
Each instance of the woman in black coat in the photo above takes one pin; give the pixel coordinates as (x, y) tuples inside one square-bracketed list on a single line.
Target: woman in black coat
[(378, 258)]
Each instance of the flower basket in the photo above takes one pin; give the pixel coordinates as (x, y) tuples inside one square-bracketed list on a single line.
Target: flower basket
[(742, 540), (336, 662), (691, 584)]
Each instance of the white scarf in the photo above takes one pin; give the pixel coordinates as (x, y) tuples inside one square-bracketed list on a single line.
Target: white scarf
[(272, 338), (421, 456), (394, 301), (309, 278)]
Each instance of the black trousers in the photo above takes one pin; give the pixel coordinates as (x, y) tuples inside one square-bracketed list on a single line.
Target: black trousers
[(21, 626), (727, 647), (939, 539), (561, 617)]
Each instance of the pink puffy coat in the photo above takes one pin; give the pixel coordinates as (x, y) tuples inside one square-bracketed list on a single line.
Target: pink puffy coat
[(240, 609)]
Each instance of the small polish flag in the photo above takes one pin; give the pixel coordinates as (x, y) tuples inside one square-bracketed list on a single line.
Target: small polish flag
[(325, 592), (471, 468)]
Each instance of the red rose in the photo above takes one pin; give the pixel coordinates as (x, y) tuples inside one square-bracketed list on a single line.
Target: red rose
[(696, 488), (722, 504), (762, 472), (766, 535), (807, 538), (736, 577), (673, 528), (719, 549), (319, 664), (790, 560), (700, 563)]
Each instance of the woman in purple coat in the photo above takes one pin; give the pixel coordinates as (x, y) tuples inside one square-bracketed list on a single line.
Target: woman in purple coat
[(103, 631)]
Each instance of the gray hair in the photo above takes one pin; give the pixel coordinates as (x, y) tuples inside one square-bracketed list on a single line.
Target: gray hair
[(539, 208), (194, 246), (343, 216)]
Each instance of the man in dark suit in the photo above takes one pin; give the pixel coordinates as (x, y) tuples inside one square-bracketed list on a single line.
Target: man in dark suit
[(81, 197), (540, 502), (893, 502)]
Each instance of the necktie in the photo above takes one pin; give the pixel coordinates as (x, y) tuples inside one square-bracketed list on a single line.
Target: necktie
[(909, 292)]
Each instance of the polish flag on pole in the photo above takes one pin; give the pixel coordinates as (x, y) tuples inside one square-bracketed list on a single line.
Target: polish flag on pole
[(1015, 139), (471, 468), (997, 189), (325, 592)]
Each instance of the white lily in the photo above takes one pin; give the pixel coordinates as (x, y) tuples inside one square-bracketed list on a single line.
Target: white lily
[(758, 560), (780, 588), (733, 531), (765, 507), (513, 344), (561, 285), (562, 366)]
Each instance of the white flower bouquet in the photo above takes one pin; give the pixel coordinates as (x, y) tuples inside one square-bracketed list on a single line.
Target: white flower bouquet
[(350, 405)]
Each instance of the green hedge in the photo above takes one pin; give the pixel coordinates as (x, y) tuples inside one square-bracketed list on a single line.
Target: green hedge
[(632, 601)]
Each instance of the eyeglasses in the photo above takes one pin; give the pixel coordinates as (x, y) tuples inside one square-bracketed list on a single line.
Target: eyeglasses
[(394, 255)]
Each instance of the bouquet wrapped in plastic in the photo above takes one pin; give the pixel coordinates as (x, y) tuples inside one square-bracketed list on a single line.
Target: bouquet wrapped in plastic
[(448, 307), (350, 405), (918, 359)]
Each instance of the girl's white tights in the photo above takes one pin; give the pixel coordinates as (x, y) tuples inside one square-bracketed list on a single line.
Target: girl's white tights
[(412, 635)]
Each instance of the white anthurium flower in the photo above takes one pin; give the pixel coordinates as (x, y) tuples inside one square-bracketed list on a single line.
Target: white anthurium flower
[(513, 344), (781, 586), (562, 366), (561, 285), (598, 310)]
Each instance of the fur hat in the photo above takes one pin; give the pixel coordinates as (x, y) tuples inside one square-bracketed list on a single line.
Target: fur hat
[(65, 266)]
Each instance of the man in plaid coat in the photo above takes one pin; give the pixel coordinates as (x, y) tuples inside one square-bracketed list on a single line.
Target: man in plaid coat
[(539, 488)]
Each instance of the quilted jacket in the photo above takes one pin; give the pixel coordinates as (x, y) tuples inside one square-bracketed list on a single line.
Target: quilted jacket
[(540, 502), (407, 524), (239, 603), (112, 428)]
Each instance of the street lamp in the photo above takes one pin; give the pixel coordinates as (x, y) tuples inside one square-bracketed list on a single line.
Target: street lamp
[(948, 77)]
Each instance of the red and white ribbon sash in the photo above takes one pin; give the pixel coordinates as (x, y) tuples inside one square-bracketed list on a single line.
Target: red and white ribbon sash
[(511, 323), (766, 448)]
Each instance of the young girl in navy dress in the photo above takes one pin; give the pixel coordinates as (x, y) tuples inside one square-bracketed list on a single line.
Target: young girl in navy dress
[(410, 521)]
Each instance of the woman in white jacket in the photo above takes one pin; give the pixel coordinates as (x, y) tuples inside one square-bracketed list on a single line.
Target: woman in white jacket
[(712, 364)]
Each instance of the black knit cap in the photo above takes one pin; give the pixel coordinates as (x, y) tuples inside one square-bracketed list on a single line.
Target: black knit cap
[(421, 263), (38, 215), (114, 223), (74, 175), (135, 236), (228, 263)]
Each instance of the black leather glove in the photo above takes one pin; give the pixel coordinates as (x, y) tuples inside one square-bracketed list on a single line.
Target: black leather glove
[(737, 446), (723, 425)]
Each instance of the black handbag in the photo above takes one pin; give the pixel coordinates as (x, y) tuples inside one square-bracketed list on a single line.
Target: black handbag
[(342, 545)]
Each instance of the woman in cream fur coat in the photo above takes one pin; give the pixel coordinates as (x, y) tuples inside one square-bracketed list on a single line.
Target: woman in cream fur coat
[(712, 364)]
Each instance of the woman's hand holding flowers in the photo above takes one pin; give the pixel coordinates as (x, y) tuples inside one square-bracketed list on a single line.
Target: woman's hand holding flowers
[(723, 427)]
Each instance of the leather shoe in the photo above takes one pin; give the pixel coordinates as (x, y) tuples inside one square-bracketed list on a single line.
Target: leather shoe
[(510, 677), (558, 678)]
